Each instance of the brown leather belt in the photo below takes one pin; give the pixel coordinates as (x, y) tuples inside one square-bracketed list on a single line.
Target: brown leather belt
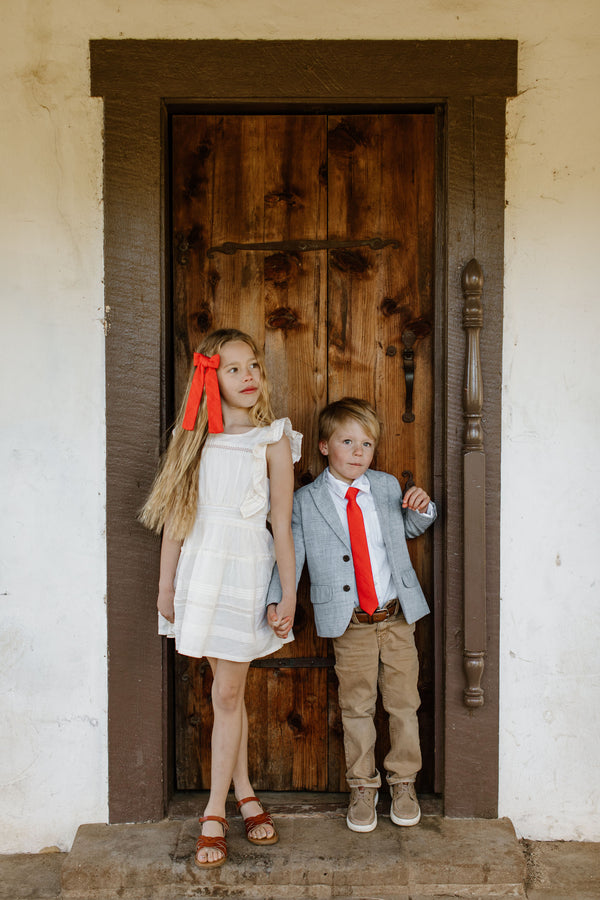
[(360, 617)]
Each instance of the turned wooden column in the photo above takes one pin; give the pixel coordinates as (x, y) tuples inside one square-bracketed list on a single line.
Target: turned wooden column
[(473, 491)]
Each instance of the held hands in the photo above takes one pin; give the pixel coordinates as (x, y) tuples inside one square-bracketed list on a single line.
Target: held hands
[(166, 602), (416, 498), (280, 617)]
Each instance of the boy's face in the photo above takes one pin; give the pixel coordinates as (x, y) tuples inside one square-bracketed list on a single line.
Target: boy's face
[(349, 450)]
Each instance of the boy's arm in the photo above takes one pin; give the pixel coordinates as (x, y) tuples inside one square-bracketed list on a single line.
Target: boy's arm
[(416, 498), (418, 511)]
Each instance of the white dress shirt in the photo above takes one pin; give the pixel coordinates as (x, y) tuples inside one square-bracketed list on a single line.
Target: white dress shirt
[(380, 566)]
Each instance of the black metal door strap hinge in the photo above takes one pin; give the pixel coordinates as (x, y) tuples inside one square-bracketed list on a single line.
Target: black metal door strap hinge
[(301, 246)]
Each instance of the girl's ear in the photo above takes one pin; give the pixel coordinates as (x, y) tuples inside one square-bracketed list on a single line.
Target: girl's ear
[(324, 448)]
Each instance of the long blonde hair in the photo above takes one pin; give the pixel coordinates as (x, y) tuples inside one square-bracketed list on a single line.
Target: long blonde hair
[(173, 499)]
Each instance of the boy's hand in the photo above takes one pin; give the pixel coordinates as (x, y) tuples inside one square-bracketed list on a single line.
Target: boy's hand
[(416, 498), (280, 617), (166, 603)]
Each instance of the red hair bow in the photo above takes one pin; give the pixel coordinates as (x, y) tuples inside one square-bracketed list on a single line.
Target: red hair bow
[(204, 376)]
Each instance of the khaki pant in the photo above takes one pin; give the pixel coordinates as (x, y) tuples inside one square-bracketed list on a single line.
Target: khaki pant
[(383, 654)]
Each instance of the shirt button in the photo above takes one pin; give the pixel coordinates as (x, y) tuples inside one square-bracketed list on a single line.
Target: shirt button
[(346, 558), (346, 587)]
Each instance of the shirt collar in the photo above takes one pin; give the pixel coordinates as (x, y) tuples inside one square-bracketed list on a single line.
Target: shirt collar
[(340, 487)]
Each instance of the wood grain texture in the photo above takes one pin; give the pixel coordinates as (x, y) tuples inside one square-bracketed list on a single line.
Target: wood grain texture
[(246, 179), (328, 321), (133, 261), (475, 228), (367, 70)]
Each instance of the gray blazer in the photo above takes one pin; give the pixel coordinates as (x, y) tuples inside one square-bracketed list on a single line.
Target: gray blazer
[(320, 540)]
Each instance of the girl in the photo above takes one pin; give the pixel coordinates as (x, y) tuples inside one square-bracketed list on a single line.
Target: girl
[(226, 456)]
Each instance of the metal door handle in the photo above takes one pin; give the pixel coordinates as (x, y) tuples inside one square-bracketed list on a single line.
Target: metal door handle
[(413, 331)]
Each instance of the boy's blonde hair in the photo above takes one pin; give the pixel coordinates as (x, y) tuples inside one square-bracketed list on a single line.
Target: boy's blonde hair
[(174, 496), (340, 411)]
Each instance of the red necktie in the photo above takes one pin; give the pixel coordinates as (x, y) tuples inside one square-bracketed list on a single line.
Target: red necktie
[(367, 596)]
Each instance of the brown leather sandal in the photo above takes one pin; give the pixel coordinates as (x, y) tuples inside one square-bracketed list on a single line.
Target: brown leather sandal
[(217, 843), (252, 822)]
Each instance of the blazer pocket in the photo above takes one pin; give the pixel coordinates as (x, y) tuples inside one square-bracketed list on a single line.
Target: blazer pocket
[(321, 593), (409, 578)]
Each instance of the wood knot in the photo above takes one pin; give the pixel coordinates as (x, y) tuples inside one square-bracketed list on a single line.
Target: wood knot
[(197, 177), (345, 137), (418, 328), (285, 198), (203, 150), (296, 723), (351, 261), (203, 319), (283, 319), (390, 306), (282, 268)]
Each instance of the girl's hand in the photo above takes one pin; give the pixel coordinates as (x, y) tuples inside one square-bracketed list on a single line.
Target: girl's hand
[(416, 498), (166, 603), (280, 617)]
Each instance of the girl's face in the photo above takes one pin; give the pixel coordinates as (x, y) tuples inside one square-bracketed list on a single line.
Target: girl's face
[(239, 375)]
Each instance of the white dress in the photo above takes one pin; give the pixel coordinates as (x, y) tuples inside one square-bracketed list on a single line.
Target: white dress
[(226, 562)]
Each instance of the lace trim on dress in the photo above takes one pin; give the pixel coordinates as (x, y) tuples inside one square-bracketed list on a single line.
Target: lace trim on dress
[(237, 448), (257, 498)]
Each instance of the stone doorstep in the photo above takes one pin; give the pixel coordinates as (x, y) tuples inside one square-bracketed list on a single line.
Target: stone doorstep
[(317, 857), (31, 876)]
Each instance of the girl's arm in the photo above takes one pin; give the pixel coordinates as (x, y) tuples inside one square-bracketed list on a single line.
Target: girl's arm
[(169, 557), (281, 476)]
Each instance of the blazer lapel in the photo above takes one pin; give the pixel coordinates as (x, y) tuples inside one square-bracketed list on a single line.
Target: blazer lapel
[(325, 505)]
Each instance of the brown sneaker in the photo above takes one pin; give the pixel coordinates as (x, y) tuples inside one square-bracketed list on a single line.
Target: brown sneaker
[(405, 809), (361, 809)]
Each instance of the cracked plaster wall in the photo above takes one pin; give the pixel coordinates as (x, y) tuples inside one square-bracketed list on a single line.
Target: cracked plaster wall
[(53, 745)]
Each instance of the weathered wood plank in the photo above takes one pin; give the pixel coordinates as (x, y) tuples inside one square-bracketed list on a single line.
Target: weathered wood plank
[(317, 69), (242, 179)]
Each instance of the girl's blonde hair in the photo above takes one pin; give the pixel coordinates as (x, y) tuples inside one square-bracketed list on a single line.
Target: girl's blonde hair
[(174, 496)]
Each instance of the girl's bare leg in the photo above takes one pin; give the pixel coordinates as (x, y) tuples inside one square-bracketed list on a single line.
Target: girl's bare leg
[(229, 683), (242, 786)]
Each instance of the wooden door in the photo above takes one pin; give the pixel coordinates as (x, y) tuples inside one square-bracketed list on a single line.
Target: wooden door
[(334, 320)]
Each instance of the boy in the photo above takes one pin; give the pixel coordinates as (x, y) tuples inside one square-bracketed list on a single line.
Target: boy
[(366, 596)]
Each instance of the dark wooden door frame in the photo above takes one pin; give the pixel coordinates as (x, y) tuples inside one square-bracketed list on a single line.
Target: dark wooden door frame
[(467, 82)]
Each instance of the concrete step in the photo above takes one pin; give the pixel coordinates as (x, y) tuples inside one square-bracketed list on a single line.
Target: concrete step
[(317, 858)]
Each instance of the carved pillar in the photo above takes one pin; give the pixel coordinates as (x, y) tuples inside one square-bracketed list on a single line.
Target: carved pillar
[(473, 491)]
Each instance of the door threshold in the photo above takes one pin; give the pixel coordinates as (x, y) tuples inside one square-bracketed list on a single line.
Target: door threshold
[(189, 804)]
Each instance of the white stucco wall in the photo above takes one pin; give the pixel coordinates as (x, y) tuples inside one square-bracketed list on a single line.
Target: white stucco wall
[(53, 744), (550, 665)]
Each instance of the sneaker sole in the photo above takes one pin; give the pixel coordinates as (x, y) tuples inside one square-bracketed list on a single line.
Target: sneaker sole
[(363, 829), (406, 822)]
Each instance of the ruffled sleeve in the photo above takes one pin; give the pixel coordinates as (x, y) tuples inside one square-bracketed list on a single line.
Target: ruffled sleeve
[(257, 497)]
